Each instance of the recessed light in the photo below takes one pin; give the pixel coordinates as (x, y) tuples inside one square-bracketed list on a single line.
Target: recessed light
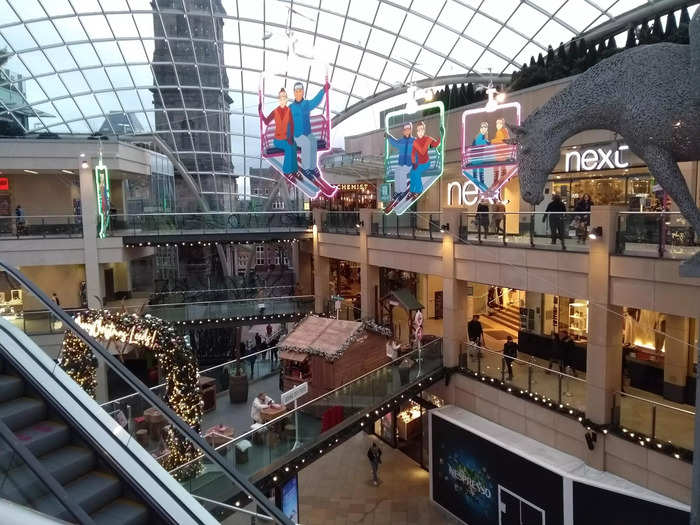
[(69, 172), (32, 172)]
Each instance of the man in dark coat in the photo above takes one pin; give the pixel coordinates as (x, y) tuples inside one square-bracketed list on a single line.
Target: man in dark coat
[(510, 351), (556, 211)]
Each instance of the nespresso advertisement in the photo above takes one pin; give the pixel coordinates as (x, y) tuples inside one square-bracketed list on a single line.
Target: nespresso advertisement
[(482, 483), (603, 507)]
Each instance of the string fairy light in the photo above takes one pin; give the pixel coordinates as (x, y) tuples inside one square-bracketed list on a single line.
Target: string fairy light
[(174, 356)]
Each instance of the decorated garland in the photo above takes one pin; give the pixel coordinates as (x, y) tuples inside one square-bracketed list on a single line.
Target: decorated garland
[(172, 353)]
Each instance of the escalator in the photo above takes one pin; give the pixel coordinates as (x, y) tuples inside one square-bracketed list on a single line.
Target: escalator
[(64, 457)]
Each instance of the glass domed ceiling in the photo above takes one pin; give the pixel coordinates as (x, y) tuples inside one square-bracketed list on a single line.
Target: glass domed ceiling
[(189, 70)]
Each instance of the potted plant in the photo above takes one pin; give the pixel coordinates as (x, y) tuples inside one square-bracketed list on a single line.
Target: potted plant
[(238, 381)]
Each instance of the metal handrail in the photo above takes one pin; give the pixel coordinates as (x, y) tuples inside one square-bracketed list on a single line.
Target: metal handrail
[(326, 394), (133, 382), (273, 298), (170, 214), (656, 403)]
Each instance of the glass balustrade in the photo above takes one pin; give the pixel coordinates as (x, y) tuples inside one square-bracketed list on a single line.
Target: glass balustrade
[(423, 226), (41, 227), (527, 376), (209, 223), (346, 222), (655, 234), (275, 441)]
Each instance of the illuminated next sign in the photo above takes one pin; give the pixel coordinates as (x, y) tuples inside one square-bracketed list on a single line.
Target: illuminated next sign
[(468, 194), (595, 159)]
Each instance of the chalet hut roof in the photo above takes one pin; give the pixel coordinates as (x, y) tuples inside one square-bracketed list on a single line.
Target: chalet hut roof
[(405, 298), (326, 337)]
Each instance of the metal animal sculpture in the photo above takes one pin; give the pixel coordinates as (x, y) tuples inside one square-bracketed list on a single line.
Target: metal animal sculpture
[(650, 95)]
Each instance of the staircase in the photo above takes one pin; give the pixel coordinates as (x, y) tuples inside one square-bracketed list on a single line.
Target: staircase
[(508, 317), (85, 476)]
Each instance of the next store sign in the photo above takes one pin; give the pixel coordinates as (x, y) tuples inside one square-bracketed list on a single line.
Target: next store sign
[(595, 159)]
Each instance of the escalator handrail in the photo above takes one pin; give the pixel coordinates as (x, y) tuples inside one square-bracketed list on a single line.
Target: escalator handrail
[(40, 472), (130, 379)]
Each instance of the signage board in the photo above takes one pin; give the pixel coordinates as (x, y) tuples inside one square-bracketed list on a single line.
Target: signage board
[(295, 393), (4, 184), (595, 159)]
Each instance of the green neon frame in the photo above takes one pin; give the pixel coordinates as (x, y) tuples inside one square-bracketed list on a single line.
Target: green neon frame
[(103, 198), (440, 148)]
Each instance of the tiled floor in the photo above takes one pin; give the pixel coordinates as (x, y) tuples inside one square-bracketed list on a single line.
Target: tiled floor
[(337, 489)]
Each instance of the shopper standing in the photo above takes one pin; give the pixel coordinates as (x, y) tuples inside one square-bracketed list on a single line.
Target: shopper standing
[(374, 454), (19, 220), (567, 353), (555, 355), (54, 298), (482, 218), (510, 352), (555, 211), (583, 207), (499, 217), (475, 331)]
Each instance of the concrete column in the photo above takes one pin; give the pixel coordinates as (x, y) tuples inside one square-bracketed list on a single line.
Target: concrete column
[(369, 275), (604, 353), (457, 307), (88, 199), (321, 268), (676, 358)]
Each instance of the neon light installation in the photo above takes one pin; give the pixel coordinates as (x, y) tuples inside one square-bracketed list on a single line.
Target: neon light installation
[(488, 160), (413, 163), (293, 149), (103, 203)]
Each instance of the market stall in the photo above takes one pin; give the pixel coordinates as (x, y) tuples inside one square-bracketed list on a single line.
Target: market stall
[(328, 353)]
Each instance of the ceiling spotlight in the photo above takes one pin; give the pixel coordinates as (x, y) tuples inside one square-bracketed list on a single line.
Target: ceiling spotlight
[(84, 165), (82, 155)]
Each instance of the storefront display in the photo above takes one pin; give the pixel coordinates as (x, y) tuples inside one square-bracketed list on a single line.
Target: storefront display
[(578, 320), (408, 422), (352, 197)]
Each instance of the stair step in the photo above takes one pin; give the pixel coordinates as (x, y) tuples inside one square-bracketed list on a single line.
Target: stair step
[(22, 412), (122, 511), (40, 438), (64, 465), (92, 492), (11, 387)]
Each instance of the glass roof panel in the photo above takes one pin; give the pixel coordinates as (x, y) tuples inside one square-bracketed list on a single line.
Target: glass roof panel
[(117, 55)]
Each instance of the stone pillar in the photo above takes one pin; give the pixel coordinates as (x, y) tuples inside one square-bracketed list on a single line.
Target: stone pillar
[(676, 358), (88, 199), (456, 304), (369, 275), (321, 268), (604, 352)]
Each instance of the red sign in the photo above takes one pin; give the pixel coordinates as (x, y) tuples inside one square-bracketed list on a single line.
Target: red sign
[(4, 184)]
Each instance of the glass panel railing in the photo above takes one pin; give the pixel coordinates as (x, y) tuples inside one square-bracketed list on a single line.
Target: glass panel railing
[(656, 234), (525, 375), (113, 364), (424, 226), (266, 307), (34, 322), (346, 222), (41, 227), (276, 439), (220, 294), (554, 230), (659, 421), (209, 223)]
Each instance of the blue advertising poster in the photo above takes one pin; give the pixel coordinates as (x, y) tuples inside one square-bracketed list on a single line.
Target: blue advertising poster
[(290, 499), (481, 483)]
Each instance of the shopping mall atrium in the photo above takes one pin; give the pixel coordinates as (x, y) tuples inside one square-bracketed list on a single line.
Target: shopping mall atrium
[(349, 261)]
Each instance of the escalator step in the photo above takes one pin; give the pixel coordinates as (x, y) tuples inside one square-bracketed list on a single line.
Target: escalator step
[(92, 491), (122, 511), (39, 438), (22, 412), (11, 387), (65, 464)]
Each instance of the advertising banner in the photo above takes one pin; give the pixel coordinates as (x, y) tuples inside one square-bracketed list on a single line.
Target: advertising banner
[(482, 483)]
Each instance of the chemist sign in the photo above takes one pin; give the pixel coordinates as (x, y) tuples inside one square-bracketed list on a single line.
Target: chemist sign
[(291, 395)]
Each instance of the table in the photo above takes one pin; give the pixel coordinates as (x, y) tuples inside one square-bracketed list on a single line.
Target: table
[(219, 435), (269, 413)]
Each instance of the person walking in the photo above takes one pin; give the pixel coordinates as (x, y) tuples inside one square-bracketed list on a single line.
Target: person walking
[(499, 217), (482, 218), (555, 355), (54, 298), (19, 220), (555, 211), (583, 207), (374, 454), (567, 353), (258, 344), (510, 352), (252, 356)]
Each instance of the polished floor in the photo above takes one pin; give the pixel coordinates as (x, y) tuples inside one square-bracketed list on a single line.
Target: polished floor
[(337, 489)]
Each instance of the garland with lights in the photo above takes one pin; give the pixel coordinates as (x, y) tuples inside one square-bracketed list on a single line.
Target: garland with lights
[(204, 243), (173, 355)]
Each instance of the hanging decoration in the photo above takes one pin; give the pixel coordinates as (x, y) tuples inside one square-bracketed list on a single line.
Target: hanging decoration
[(103, 196), (413, 163), (489, 160), (173, 354)]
